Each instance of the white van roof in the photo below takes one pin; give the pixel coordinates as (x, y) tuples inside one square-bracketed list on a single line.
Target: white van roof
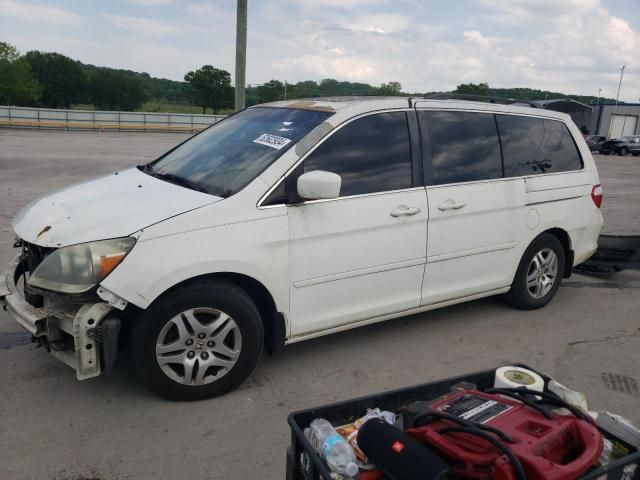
[(357, 105)]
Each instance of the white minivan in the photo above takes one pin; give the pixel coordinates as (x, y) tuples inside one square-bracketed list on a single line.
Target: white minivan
[(296, 219)]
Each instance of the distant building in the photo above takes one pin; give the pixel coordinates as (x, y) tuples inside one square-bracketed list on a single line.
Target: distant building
[(579, 112), (624, 123), (598, 119)]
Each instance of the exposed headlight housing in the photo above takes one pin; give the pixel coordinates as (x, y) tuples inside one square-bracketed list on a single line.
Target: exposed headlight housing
[(78, 268)]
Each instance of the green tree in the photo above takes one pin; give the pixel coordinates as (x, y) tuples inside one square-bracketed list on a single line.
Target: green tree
[(210, 87), (474, 89), (306, 89), (8, 52), (329, 87), (271, 91), (390, 89), (18, 86), (115, 90), (62, 79)]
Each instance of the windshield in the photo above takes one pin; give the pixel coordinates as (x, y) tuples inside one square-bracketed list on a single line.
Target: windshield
[(227, 156)]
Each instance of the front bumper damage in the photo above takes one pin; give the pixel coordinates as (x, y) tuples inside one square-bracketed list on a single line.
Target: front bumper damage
[(82, 336)]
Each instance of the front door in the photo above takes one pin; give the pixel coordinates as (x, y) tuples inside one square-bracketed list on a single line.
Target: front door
[(361, 255)]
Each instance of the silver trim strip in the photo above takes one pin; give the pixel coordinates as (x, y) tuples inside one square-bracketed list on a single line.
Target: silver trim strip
[(542, 202), (359, 272), (474, 251), (507, 179)]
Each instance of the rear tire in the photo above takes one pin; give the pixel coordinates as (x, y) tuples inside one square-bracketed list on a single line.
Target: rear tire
[(198, 341), (623, 152), (539, 273)]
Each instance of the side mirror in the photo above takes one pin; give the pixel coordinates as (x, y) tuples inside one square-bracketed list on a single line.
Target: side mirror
[(319, 185)]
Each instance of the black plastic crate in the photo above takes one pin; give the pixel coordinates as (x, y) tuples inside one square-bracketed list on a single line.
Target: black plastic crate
[(303, 463)]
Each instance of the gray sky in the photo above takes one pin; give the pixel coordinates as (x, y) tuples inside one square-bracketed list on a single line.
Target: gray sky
[(572, 46)]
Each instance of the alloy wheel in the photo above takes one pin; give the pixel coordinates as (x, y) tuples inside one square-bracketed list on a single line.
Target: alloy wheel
[(198, 346), (542, 273)]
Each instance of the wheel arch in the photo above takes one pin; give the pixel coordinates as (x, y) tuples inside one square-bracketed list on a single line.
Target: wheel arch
[(565, 240), (273, 321)]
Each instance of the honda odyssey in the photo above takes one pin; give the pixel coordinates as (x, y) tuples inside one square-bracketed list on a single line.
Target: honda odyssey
[(297, 219)]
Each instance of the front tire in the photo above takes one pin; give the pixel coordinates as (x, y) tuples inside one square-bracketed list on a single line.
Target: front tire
[(198, 341), (623, 152), (539, 274)]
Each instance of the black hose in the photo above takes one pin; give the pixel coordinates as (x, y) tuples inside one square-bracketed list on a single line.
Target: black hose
[(548, 398), (517, 466), (517, 394), (430, 415)]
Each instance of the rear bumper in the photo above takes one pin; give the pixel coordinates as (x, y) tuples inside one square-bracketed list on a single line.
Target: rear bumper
[(68, 331), (585, 240)]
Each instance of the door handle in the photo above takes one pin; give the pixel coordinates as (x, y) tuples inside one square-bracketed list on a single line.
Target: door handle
[(451, 205), (404, 211)]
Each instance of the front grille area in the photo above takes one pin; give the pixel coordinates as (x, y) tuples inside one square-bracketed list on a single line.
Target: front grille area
[(32, 256)]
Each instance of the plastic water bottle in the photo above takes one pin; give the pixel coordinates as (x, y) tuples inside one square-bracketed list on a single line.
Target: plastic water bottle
[(334, 449)]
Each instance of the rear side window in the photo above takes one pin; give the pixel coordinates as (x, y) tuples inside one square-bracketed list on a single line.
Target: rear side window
[(464, 147), (371, 154), (532, 146)]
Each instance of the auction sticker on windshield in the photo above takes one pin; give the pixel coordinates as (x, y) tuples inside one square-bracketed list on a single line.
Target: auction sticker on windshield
[(272, 141)]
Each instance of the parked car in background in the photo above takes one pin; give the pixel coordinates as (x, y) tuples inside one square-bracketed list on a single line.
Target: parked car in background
[(630, 144), (608, 147), (297, 219), (595, 142), (621, 146)]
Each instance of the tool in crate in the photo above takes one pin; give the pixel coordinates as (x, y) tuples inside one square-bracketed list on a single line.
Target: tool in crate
[(508, 434)]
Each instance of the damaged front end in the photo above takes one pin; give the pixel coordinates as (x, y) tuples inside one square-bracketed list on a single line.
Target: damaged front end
[(81, 330)]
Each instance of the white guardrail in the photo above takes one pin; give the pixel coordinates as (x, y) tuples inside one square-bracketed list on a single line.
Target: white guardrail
[(103, 120)]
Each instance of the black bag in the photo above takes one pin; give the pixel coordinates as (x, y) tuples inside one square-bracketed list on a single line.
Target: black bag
[(399, 456)]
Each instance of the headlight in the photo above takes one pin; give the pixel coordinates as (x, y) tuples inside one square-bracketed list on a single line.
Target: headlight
[(78, 268)]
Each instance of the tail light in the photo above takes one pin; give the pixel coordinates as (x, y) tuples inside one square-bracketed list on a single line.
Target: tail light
[(597, 193)]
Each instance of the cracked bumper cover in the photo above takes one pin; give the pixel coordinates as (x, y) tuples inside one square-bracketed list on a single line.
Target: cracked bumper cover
[(29, 317), (54, 325)]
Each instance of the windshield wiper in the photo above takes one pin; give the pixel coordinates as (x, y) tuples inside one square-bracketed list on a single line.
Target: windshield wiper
[(176, 180)]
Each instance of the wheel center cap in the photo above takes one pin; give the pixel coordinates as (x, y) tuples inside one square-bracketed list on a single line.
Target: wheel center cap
[(199, 346)]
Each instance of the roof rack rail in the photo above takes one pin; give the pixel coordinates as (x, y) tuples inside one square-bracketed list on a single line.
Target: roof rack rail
[(476, 98)]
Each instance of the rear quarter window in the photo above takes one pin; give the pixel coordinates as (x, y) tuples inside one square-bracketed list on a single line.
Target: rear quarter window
[(534, 146)]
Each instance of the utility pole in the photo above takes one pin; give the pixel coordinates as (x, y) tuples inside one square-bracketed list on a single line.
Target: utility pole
[(598, 100), (615, 109), (241, 53), (285, 89)]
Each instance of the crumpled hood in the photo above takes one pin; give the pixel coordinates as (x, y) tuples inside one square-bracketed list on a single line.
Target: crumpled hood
[(113, 206)]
